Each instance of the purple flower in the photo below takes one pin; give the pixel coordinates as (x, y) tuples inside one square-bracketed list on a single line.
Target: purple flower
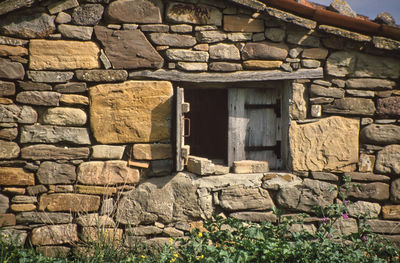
[(330, 236), (345, 202), (324, 219), (345, 216), (364, 238)]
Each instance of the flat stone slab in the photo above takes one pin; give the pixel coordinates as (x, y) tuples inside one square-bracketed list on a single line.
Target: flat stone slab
[(55, 234), (51, 152), (128, 49), (54, 134), (135, 11)]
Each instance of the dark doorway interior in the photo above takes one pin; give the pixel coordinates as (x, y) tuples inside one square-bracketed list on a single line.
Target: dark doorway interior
[(209, 123)]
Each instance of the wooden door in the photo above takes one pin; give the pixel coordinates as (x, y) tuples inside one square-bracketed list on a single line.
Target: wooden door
[(254, 125)]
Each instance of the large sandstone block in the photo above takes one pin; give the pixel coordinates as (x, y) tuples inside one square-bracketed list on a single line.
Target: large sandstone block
[(63, 54), (243, 24), (330, 144), (241, 198), (193, 14), (388, 159), (265, 50), (16, 176), (107, 173), (55, 234), (69, 202), (135, 11), (129, 112), (128, 48)]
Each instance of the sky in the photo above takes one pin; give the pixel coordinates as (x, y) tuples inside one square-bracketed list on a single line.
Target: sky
[(371, 8)]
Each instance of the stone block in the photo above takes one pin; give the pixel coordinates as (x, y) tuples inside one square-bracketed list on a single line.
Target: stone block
[(68, 202), (88, 14), (64, 116), (391, 211), (71, 87), (144, 231), (304, 197), (193, 14), (370, 83), (22, 207), (211, 36), (91, 234), (330, 144), (11, 70), (14, 190), (109, 152), (183, 28), (15, 237), (107, 173), (362, 177), (241, 198), (50, 76), (371, 191), (310, 63), (16, 176), (351, 106), (129, 112), (225, 66), (302, 38), (54, 235), (172, 40), (200, 166), (76, 32), (192, 66), (61, 188), (161, 167), (40, 98), (360, 93), (243, 24), (366, 163), (321, 91), (384, 226), (135, 11), (275, 34), (56, 173), (346, 226), (8, 134), (258, 217), (160, 28), (51, 152), (95, 190), (4, 204), (7, 88), (187, 55), (7, 220), (388, 160), (388, 106), (27, 25), (238, 37), (9, 150), (43, 218), (395, 191), (298, 107), (6, 51), (324, 176), (60, 6), (63, 18), (363, 208), (265, 50), (23, 199), (128, 49), (33, 86), (72, 99), (95, 220), (250, 166), (315, 53), (63, 55), (35, 190), (223, 51), (381, 134), (261, 64), (54, 134), (152, 151)]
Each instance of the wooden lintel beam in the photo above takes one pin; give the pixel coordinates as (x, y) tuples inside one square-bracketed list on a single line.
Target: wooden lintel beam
[(238, 76)]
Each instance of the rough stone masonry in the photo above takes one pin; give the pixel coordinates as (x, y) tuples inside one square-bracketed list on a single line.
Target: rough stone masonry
[(86, 119)]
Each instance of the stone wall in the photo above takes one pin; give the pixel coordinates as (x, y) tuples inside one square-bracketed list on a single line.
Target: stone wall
[(86, 96)]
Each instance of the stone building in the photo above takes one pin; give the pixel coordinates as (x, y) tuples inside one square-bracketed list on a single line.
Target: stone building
[(148, 116)]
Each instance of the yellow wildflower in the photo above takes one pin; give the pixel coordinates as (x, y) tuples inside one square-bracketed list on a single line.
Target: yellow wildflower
[(143, 256), (199, 234)]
